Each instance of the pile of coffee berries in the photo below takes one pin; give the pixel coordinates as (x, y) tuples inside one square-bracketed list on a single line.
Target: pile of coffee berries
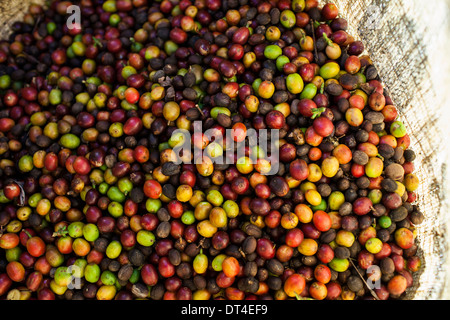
[(95, 202)]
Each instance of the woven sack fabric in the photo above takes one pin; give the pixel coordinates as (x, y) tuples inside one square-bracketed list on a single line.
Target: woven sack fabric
[(408, 41)]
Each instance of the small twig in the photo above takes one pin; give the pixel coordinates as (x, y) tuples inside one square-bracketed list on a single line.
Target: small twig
[(200, 110), (30, 58), (61, 232), (322, 87), (200, 243), (317, 112), (380, 156), (362, 278), (299, 297), (363, 70), (316, 55), (38, 20), (97, 42)]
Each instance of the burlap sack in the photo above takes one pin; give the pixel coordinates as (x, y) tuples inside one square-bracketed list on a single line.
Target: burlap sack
[(408, 41), (12, 11)]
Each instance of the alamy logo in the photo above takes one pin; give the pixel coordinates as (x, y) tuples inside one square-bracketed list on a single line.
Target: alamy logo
[(75, 280), (374, 277), (74, 20)]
